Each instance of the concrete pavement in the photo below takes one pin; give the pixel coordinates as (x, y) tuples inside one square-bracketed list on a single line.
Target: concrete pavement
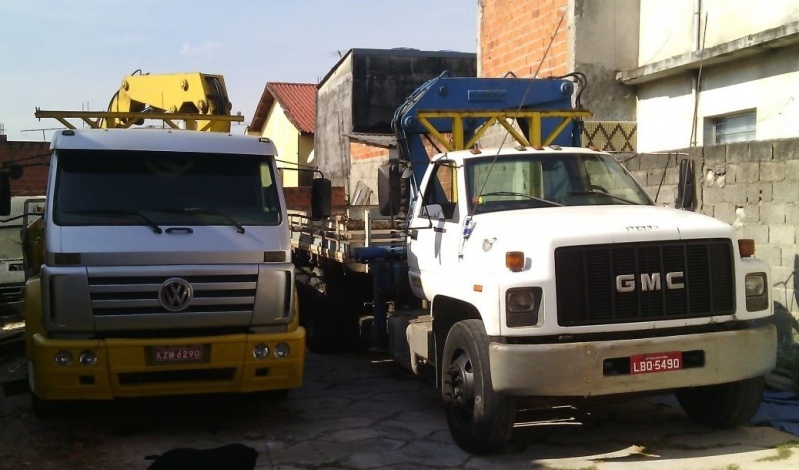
[(362, 411)]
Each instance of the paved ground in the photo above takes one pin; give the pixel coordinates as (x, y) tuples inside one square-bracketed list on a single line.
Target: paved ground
[(361, 411)]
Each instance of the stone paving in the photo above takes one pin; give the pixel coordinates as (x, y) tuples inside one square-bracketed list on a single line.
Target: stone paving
[(362, 412)]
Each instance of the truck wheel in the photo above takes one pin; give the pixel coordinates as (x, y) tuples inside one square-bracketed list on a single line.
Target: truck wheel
[(480, 419), (724, 405)]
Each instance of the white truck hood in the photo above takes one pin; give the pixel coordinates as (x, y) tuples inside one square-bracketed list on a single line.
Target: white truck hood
[(562, 226)]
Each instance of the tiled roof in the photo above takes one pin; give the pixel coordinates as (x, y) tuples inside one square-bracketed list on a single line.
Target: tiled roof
[(298, 101)]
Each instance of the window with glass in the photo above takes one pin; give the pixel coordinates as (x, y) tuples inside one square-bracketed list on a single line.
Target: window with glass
[(163, 188), (442, 190), (729, 129)]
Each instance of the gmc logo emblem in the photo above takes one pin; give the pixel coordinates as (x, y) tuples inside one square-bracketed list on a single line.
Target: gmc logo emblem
[(650, 281)]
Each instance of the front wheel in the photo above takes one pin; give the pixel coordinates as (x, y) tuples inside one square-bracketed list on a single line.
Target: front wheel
[(723, 405), (480, 419)]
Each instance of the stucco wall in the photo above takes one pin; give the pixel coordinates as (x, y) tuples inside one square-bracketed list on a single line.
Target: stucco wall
[(673, 27), (333, 122), (753, 186), (604, 40), (767, 83), (286, 139)]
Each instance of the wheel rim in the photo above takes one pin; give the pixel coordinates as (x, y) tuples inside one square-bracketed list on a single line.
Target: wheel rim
[(460, 379)]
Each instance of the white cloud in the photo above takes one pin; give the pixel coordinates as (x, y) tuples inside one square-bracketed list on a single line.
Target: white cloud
[(206, 49)]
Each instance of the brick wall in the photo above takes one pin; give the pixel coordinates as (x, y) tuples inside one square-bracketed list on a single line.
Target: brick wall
[(34, 179), (299, 198), (363, 151), (514, 36)]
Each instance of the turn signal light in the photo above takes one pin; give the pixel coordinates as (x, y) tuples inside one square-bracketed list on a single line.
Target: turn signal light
[(514, 260)]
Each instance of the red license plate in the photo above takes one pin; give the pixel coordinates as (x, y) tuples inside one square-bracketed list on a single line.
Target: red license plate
[(656, 362), (173, 354)]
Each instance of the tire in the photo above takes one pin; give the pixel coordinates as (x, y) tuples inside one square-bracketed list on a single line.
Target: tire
[(725, 405), (480, 419)]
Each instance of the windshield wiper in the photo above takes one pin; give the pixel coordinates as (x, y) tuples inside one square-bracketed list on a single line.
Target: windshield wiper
[(526, 196), (119, 213), (205, 210), (601, 193)]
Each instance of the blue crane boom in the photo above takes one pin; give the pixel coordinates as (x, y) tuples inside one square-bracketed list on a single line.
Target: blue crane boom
[(454, 112)]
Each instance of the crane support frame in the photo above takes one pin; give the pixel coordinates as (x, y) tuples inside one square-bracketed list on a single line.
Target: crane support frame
[(124, 120)]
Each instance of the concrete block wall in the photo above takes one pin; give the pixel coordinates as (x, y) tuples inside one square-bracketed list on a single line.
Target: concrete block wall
[(754, 186)]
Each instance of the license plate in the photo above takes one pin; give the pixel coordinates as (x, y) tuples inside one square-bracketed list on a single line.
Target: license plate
[(657, 362), (173, 354)]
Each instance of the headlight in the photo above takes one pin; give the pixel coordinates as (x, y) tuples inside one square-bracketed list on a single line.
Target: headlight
[(87, 358), (755, 285), (63, 358), (260, 351), (282, 350), (521, 306)]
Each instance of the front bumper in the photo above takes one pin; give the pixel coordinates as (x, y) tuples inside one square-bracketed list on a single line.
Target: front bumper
[(577, 369), (124, 368)]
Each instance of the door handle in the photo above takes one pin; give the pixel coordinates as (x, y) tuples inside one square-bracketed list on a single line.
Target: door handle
[(413, 234)]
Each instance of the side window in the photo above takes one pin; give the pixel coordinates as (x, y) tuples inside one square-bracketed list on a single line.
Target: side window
[(441, 194), (271, 202)]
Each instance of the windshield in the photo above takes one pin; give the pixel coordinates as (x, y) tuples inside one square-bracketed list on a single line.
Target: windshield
[(163, 188), (545, 180)]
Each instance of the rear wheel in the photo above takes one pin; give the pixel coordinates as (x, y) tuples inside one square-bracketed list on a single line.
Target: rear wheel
[(480, 419), (723, 405)]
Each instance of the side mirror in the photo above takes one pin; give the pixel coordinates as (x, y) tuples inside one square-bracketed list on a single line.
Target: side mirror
[(5, 194), (321, 195), (388, 189)]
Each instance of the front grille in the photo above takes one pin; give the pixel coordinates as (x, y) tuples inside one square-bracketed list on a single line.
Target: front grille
[(589, 278), (138, 295)]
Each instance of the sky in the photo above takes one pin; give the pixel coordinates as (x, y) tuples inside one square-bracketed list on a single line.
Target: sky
[(72, 54)]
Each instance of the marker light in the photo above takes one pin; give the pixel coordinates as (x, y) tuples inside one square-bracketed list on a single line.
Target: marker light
[(747, 247)]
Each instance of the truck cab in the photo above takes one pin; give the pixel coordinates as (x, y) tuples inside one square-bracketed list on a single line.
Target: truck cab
[(166, 269)]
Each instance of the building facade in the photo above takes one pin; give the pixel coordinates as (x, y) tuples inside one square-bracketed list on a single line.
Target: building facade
[(711, 82), (286, 114), (355, 106)]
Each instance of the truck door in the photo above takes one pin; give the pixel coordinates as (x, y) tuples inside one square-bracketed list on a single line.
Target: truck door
[(435, 229)]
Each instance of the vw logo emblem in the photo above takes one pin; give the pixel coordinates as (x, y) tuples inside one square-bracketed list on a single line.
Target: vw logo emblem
[(175, 294)]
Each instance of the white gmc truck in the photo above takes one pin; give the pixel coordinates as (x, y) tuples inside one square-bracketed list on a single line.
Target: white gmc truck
[(539, 272), (550, 276)]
